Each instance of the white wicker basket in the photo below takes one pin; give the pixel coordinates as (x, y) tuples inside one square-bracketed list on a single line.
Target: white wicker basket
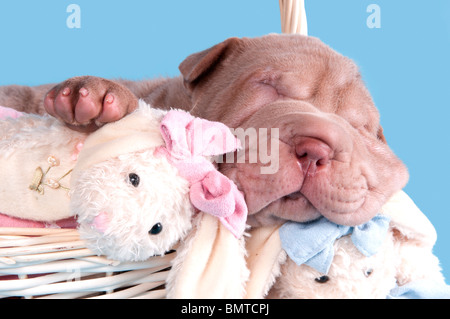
[(55, 263)]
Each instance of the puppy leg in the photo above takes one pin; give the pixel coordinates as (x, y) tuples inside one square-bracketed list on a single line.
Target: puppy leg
[(24, 98)]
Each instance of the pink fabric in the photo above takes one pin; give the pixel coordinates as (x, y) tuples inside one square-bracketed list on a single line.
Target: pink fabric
[(193, 138), (8, 221), (6, 112), (101, 222), (188, 141)]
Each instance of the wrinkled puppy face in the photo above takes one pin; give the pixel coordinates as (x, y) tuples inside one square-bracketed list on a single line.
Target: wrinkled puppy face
[(132, 207), (331, 156)]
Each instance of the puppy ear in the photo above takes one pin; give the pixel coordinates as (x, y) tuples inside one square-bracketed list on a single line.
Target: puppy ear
[(197, 65)]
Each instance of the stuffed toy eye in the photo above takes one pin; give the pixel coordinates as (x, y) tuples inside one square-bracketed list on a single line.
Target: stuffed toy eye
[(368, 272), (322, 279), (156, 229), (134, 179)]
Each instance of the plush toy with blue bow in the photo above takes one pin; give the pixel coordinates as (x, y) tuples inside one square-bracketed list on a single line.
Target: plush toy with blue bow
[(388, 257)]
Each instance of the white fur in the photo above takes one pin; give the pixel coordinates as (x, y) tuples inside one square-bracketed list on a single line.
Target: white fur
[(348, 275), (114, 215), (352, 275), (162, 196), (99, 182)]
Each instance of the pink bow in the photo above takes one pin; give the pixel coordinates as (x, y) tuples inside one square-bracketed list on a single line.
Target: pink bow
[(189, 141)]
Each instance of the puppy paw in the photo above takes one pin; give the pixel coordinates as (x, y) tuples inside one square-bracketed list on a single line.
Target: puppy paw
[(88, 102)]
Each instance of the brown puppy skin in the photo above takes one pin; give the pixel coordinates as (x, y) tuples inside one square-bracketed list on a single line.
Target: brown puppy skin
[(333, 157)]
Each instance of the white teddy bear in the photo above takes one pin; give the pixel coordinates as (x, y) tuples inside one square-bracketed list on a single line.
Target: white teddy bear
[(134, 185), (388, 257)]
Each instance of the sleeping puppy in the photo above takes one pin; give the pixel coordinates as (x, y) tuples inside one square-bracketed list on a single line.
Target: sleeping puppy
[(333, 159)]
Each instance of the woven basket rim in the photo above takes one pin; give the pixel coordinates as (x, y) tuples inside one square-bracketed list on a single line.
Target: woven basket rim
[(55, 263)]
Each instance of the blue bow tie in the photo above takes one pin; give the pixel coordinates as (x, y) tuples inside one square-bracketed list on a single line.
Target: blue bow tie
[(312, 243)]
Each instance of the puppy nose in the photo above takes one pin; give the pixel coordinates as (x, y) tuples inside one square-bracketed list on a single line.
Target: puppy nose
[(312, 154)]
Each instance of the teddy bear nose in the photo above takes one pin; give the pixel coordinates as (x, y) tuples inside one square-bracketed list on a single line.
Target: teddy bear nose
[(156, 229)]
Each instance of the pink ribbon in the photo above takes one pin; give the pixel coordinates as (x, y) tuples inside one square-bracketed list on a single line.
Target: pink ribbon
[(189, 141)]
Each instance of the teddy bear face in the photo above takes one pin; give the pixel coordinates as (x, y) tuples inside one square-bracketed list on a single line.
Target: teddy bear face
[(351, 275), (132, 207)]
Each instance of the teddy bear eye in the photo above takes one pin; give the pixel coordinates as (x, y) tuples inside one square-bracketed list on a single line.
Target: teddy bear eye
[(322, 279), (134, 179), (156, 229)]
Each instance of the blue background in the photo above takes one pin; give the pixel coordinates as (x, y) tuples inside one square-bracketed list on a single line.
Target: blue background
[(405, 63)]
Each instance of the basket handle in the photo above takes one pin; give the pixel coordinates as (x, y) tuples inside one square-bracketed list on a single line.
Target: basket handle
[(293, 16)]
